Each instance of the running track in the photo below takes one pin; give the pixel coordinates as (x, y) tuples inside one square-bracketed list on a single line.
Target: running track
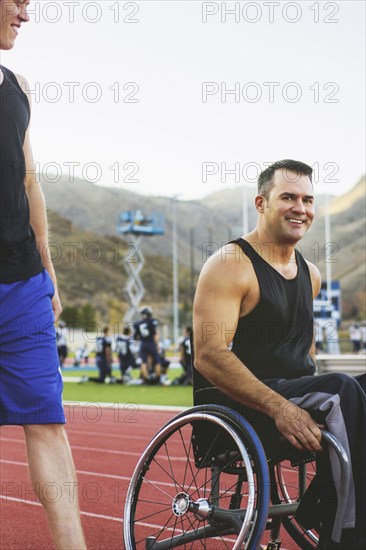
[(106, 443)]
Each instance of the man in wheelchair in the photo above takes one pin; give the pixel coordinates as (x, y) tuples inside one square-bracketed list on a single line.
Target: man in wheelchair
[(253, 342)]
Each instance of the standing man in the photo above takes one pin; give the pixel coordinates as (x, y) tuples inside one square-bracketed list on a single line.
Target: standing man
[(30, 379), (363, 333), (355, 335), (103, 356), (124, 352), (256, 294), (145, 331), (103, 359), (318, 335)]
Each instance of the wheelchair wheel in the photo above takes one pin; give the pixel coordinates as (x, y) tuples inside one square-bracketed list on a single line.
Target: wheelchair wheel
[(289, 484), (200, 483)]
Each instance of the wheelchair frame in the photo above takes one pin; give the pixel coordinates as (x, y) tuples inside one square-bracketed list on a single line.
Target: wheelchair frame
[(189, 515)]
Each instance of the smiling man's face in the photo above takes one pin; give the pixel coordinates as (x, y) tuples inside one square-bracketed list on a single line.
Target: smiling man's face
[(13, 13), (289, 209)]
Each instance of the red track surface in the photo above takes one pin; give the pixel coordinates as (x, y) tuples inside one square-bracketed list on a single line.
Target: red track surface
[(106, 444)]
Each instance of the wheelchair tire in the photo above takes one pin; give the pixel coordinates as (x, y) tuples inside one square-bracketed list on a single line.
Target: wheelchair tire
[(174, 500)]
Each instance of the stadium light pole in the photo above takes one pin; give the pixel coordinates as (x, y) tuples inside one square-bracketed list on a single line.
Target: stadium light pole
[(333, 340), (191, 246), (328, 264), (175, 273)]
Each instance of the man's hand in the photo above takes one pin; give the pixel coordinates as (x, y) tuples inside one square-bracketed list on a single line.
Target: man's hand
[(56, 306), (298, 427)]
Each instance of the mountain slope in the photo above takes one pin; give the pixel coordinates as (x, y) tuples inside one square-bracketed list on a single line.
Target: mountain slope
[(90, 269)]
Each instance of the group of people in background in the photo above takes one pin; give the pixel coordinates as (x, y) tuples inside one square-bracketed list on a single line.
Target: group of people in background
[(149, 357), (357, 335), (324, 332)]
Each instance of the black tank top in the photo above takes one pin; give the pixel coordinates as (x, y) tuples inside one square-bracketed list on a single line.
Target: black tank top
[(19, 257), (274, 339)]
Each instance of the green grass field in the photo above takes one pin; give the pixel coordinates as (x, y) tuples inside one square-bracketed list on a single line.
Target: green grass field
[(90, 392), (116, 393)]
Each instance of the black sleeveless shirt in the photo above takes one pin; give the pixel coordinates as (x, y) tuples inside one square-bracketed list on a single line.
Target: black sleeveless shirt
[(274, 339), (19, 257)]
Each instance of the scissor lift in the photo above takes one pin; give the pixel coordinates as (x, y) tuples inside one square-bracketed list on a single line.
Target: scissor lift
[(136, 223)]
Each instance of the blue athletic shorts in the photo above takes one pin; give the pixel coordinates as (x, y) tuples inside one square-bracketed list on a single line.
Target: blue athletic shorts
[(30, 378), (149, 350)]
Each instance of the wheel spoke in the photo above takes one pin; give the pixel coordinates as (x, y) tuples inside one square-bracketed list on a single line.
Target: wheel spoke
[(170, 464), (181, 487), (155, 487), (149, 516)]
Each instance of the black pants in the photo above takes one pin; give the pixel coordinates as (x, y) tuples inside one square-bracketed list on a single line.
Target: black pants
[(104, 370)]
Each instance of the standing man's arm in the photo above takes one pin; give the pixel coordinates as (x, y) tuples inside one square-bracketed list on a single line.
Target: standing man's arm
[(222, 287), (181, 353), (156, 338), (108, 355), (37, 208), (156, 333)]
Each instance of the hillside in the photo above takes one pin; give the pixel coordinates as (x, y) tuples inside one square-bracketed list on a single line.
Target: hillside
[(90, 270), (92, 212), (94, 208), (347, 250)]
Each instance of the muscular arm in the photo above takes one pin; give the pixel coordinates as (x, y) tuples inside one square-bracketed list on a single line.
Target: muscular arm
[(222, 286), (38, 216)]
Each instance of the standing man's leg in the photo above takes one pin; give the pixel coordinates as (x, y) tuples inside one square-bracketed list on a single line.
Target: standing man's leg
[(102, 366), (31, 396), (50, 461), (102, 372), (143, 356), (155, 361)]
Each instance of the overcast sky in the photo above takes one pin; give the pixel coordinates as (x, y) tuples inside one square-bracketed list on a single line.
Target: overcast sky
[(135, 94)]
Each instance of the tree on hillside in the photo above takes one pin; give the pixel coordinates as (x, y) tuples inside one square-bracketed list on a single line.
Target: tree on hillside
[(79, 317)]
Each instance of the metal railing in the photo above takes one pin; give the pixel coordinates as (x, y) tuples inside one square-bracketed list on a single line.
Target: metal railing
[(349, 364)]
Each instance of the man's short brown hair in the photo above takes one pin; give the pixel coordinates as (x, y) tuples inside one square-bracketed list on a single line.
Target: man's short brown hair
[(265, 180)]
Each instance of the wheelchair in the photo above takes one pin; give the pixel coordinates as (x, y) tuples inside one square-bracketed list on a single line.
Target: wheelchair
[(206, 482)]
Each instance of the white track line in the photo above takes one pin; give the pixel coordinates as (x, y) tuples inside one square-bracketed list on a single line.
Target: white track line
[(32, 503), (110, 434), (96, 450), (81, 448), (87, 473), (161, 408)]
